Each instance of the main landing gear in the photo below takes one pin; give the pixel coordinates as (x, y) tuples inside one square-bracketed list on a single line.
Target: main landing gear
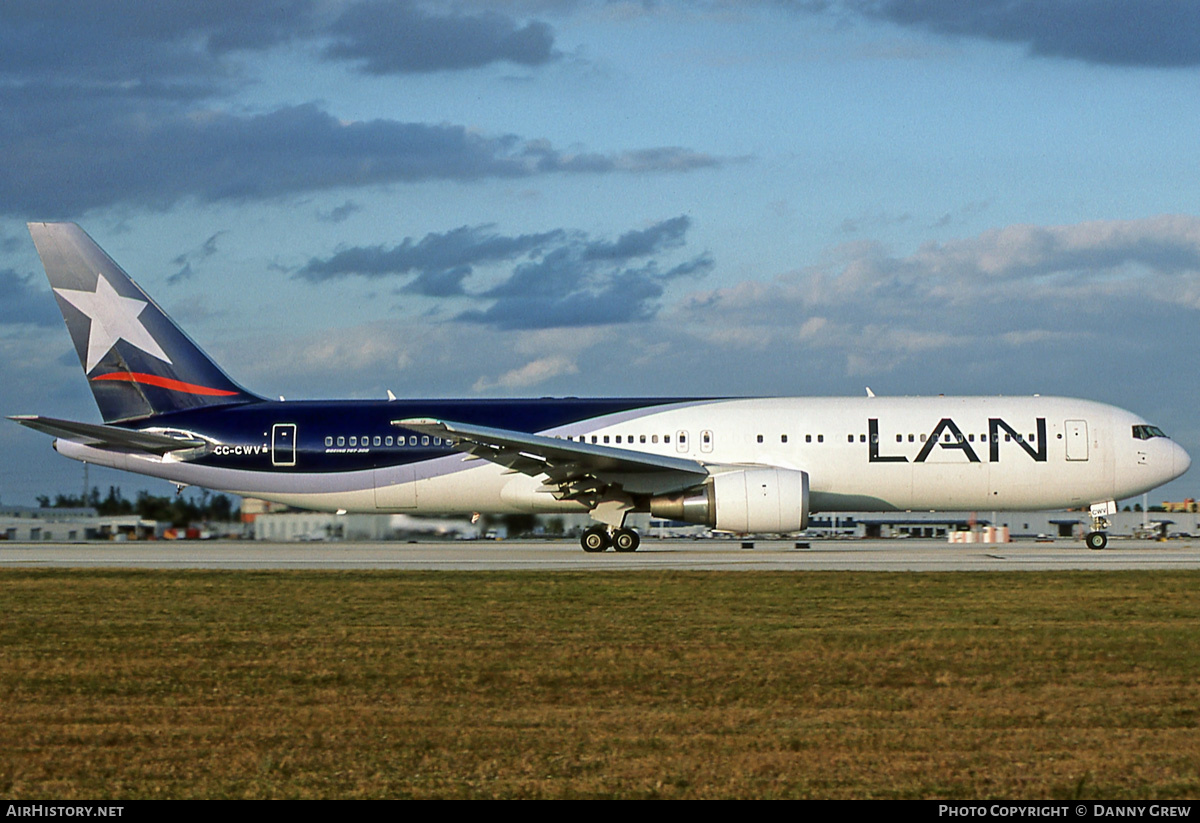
[(599, 538)]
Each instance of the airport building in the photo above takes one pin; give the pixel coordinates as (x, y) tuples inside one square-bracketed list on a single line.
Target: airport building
[(1019, 525), (1060, 525), (33, 524), (319, 526)]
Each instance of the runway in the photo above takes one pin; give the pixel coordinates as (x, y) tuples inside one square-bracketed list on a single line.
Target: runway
[(717, 555)]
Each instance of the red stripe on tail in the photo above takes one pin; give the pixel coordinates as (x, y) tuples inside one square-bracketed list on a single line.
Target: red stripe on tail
[(165, 383)]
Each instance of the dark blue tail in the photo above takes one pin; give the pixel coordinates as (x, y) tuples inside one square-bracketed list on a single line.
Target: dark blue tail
[(137, 361)]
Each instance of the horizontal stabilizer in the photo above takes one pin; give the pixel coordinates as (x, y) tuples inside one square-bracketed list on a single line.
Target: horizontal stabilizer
[(112, 437)]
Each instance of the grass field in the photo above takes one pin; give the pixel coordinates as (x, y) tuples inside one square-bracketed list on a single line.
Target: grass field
[(127, 684)]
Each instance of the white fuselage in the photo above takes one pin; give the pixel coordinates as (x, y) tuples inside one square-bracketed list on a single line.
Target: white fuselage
[(863, 454)]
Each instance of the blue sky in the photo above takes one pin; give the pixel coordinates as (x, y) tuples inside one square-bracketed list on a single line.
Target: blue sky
[(341, 197)]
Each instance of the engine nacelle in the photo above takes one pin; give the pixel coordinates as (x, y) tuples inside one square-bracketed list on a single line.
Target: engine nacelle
[(746, 501)]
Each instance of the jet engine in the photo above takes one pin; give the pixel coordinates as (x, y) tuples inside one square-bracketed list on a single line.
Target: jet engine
[(745, 501)]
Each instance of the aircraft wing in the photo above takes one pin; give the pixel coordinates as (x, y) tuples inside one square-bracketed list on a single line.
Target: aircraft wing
[(113, 437), (575, 470)]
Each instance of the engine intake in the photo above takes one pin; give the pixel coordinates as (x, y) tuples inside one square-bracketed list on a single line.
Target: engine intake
[(745, 501)]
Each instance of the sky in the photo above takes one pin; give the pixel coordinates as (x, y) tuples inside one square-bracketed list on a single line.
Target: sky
[(338, 198)]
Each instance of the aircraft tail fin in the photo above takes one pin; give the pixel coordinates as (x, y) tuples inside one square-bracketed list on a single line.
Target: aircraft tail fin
[(138, 362)]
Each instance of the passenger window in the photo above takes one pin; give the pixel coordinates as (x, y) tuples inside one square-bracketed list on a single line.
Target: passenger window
[(820, 438), (328, 441), (353, 441), (666, 438), (412, 441), (808, 438), (899, 438), (376, 441), (593, 438), (862, 438), (642, 439), (341, 441), (760, 438), (910, 438), (425, 440), (618, 438), (654, 438), (783, 438), (606, 438), (849, 438), (388, 440)]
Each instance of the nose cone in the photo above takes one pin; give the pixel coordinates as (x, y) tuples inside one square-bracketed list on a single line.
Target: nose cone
[(1182, 461)]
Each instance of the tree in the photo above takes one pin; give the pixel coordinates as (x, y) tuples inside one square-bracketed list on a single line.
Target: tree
[(174, 509)]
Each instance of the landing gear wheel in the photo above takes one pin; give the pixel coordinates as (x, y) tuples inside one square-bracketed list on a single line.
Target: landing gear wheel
[(594, 539), (626, 540), (1096, 540)]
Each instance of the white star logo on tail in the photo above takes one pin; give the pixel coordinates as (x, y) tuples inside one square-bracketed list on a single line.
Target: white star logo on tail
[(113, 318)]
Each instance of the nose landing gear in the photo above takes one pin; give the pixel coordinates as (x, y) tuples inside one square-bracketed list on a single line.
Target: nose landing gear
[(1097, 538)]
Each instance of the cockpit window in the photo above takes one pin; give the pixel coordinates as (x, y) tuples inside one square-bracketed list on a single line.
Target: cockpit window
[(1147, 432)]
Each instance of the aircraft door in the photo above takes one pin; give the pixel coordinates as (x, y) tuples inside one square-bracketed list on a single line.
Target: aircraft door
[(1077, 440), (283, 444)]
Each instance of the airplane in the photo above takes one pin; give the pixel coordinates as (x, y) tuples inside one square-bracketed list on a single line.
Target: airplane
[(740, 465)]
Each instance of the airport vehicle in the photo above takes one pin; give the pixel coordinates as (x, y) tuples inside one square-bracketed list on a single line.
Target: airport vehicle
[(741, 465)]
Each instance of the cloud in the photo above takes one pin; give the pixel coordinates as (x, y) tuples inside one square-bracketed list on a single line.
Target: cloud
[(441, 260), (626, 298), (558, 277), (107, 103), (531, 374), (21, 303), (387, 37), (641, 242), (563, 270), (878, 220), (141, 46), (207, 249), (1094, 252), (542, 157), (58, 166), (591, 282), (339, 214), (1019, 288), (182, 42), (1152, 33)]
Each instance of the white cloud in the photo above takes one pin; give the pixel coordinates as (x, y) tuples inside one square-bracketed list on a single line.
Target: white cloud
[(531, 374)]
